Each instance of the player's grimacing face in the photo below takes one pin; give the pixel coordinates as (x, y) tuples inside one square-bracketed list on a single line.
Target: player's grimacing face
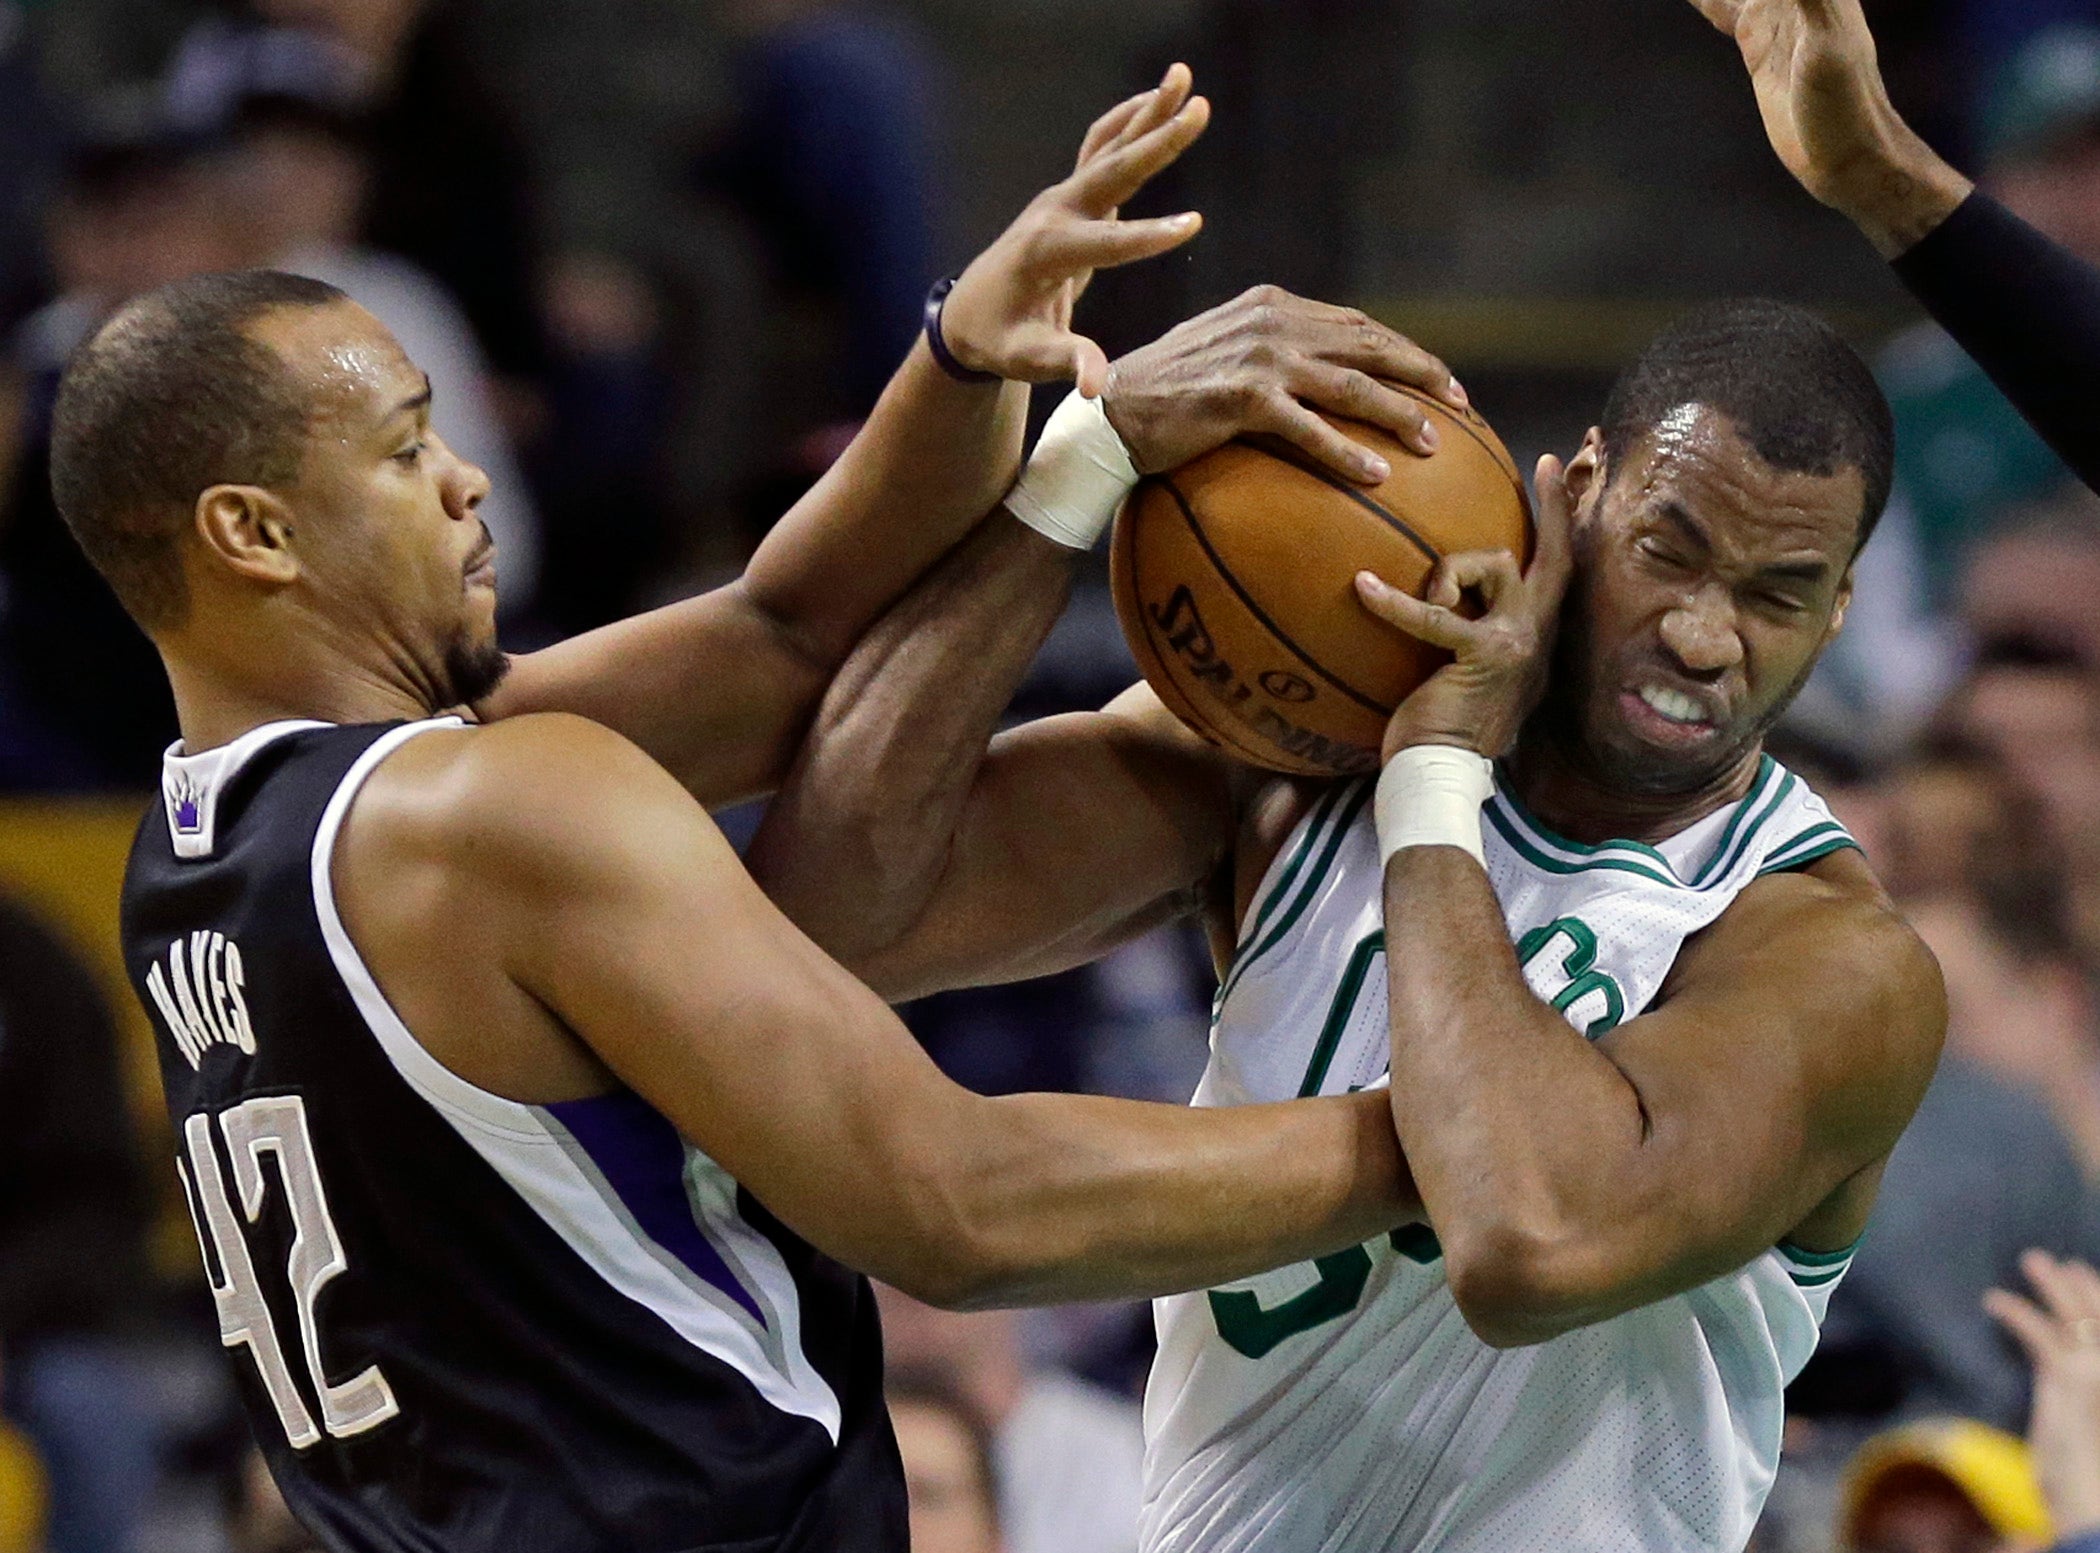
[(385, 521), (1707, 584)]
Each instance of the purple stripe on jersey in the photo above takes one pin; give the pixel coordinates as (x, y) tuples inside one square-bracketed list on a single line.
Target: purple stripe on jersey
[(642, 1158)]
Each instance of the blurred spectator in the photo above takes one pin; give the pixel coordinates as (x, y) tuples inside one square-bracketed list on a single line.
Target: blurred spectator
[(948, 1472), (834, 161), (1909, 1334), (84, 700), (2057, 1325), (449, 187), (1069, 1456), (2030, 580), (1966, 460), (73, 1217), (1943, 1486), (28, 150), (290, 180)]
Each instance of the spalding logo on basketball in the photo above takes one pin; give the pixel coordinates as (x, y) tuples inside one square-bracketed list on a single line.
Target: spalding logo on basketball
[(1234, 581)]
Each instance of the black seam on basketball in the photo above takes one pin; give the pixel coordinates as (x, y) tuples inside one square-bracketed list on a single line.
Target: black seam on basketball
[(1217, 561), (1509, 470), (1284, 453), (1219, 727)]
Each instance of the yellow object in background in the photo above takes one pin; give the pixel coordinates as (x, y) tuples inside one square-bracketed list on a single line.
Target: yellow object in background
[(22, 1495), (1994, 1471)]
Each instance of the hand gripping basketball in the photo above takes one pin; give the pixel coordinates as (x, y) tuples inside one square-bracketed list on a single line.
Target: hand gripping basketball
[(1010, 313), (1480, 699)]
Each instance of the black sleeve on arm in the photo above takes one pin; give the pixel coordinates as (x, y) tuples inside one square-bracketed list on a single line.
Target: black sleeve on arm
[(2027, 311)]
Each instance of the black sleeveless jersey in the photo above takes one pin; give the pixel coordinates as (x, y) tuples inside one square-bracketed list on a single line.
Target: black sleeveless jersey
[(458, 1322)]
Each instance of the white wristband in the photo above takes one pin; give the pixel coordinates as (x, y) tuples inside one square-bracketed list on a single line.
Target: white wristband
[(1076, 478), (1430, 796)]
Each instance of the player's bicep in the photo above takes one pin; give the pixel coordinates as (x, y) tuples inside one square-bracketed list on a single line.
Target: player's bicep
[(1082, 831), (713, 688), (1788, 1062), (634, 924)]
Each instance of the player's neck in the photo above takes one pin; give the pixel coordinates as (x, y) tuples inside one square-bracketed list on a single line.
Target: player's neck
[(1571, 799), (215, 705)]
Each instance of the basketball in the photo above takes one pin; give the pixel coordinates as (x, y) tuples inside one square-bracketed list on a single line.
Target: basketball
[(1234, 583)]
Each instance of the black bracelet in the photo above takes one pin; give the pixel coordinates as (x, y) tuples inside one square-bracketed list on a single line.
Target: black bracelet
[(937, 299)]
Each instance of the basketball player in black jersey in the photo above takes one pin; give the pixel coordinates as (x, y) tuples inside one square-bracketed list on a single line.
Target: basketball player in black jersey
[(520, 1131)]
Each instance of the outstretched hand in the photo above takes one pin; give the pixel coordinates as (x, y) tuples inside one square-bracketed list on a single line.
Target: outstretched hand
[(1827, 113), (1480, 699), (1011, 311), (2060, 1330)]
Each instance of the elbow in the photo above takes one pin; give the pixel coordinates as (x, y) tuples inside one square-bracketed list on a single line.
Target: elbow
[(1518, 1284), (953, 1254)]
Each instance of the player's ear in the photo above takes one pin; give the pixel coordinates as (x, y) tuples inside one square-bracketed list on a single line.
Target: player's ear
[(247, 530), (1585, 475), (1837, 610)]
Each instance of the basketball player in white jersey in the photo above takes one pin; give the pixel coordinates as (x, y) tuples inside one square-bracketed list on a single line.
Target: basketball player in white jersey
[(1649, 1024)]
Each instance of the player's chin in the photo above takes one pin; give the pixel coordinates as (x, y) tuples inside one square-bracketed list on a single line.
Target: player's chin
[(1650, 754)]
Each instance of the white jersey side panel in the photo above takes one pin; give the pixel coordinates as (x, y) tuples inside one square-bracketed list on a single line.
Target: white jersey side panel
[(1345, 1406)]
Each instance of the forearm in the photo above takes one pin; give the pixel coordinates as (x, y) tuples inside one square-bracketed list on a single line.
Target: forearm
[(1078, 1198), (1519, 1131), (933, 458), (2027, 311), (1899, 192), (855, 843)]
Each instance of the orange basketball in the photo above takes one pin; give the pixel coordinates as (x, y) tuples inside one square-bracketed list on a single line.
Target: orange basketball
[(1234, 581)]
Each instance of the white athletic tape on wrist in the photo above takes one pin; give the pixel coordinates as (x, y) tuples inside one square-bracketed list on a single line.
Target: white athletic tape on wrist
[(1076, 478), (1430, 796)]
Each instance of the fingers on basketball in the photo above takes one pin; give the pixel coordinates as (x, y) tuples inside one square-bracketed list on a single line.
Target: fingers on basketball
[(1426, 622)]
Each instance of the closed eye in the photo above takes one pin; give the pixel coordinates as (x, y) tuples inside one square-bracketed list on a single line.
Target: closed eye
[(1654, 550)]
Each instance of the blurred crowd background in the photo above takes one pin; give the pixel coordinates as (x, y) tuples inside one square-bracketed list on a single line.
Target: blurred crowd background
[(658, 257)]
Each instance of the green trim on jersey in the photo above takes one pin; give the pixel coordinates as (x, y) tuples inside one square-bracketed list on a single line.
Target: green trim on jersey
[(1560, 843), (1522, 846), (1817, 841), (1813, 1269), (1725, 858), (1343, 812), (1766, 765)]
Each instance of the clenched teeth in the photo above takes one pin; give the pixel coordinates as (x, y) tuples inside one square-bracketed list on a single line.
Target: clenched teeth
[(1673, 704)]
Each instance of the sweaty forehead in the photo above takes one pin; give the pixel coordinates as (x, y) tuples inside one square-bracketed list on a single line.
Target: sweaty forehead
[(1695, 463), (344, 364)]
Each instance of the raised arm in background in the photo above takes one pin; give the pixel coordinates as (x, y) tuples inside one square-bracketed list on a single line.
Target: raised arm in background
[(2025, 309), (923, 861), (934, 456)]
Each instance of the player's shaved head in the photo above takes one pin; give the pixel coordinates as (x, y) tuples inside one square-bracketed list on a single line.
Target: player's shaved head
[(1793, 389), (174, 395)]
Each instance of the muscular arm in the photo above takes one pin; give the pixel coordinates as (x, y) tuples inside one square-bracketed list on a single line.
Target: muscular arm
[(922, 858), (2029, 313), (1575, 1180), (621, 917), (923, 861), (2025, 309), (719, 688)]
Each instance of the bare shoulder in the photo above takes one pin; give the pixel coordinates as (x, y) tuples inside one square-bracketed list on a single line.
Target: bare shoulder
[(1824, 951), (533, 789)]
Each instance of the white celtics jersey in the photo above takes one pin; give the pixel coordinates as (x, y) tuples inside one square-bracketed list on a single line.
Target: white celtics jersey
[(1344, 1406)]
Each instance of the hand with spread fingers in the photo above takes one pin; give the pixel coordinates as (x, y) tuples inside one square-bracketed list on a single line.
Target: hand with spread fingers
[(1828, 115), (1010, 313), (1480, 699), (1262, 364), (2059, 1327)]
